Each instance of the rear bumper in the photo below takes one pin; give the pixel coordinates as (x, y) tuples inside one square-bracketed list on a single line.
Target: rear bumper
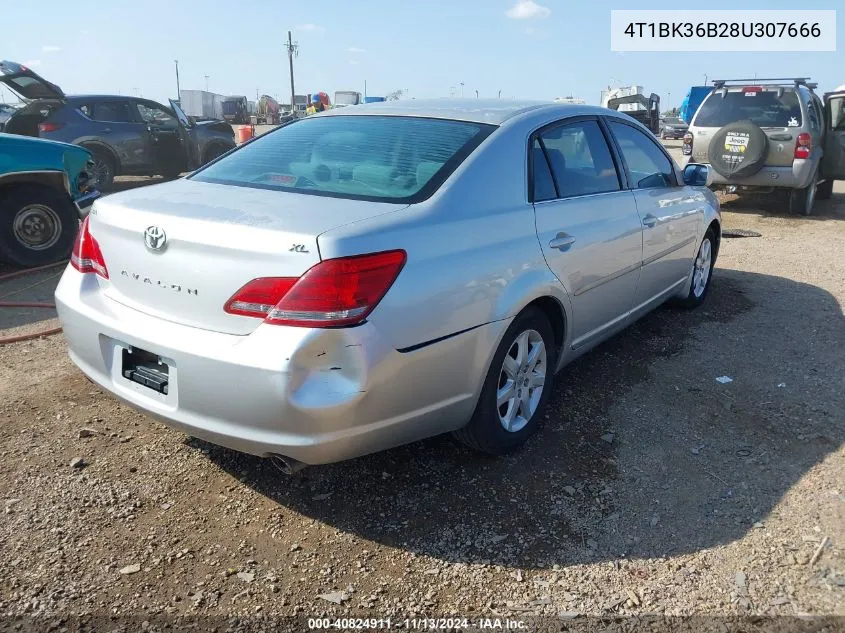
[(796, 176), (317, 396)]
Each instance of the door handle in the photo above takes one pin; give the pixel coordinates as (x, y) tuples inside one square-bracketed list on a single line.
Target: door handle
[(106, 130), (562, 241), (649, 220)]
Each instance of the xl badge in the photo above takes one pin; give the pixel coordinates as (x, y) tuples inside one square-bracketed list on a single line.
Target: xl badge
[(155, 238)]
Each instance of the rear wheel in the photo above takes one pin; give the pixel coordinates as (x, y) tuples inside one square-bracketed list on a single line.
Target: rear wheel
[(702, 272), (516, 388), (104, 167), (801, 200), (825, 190), (214, 152), (37, 225)]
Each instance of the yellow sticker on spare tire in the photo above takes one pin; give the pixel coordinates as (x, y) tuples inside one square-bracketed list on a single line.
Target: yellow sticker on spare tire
[(736, 142)]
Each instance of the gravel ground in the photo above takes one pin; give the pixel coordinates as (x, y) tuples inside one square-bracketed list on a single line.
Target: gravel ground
[(652, 488)]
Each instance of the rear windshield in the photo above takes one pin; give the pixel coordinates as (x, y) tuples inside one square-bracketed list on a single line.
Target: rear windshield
[(378, 158), (671, 121), (765, 109)]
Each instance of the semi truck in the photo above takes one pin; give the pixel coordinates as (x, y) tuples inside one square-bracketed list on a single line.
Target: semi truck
[(343, 98), (267, 111), (235, 110), (201, 105)]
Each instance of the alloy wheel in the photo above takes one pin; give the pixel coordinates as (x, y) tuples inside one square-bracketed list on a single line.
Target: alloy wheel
[(521, 381), (701, 270)]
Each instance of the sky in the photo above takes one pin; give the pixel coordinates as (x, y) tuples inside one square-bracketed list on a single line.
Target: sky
[(531, 49)]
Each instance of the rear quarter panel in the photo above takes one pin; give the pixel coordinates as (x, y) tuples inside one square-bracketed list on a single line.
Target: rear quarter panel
[(473, 253)]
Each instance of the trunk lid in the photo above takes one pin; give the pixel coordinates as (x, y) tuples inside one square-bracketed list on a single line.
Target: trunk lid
[(27, 84), (180, 250)]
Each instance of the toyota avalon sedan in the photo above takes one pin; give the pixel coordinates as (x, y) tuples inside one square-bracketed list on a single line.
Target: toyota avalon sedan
[(371, 276)]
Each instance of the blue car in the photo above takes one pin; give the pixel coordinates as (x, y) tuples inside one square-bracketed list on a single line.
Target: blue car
[(125, 135), (45, 187)]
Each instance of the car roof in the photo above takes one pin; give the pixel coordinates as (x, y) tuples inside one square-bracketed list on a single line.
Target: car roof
[(84, 97), (490, 111)]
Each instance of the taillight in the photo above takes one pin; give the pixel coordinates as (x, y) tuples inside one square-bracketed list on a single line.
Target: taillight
[(333, 293), (687, 149), (50, 127), (804, 145), (87, 256), (752, 89)]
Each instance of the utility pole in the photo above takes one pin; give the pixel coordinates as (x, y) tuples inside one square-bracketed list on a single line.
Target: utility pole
[(365, 89), (705, 79), (476, 94), (206, 83), (500, 94), (178, 92), (293, 50), (462, 89)]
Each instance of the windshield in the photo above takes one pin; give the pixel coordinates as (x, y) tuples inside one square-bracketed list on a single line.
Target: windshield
[(230, 107), (378, 158), (764, 108)]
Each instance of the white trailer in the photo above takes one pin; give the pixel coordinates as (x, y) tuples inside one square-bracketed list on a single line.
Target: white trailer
[(201, 104)]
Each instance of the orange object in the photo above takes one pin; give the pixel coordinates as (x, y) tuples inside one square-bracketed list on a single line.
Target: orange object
[(245, 132)]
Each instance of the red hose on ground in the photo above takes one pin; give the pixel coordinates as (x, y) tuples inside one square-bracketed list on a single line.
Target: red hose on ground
[(28, 304)]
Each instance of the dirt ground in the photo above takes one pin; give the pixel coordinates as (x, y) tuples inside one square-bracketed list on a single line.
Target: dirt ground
[(652, 488)]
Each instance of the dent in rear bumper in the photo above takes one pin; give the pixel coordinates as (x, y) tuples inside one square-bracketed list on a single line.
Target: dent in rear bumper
[(317, 396)]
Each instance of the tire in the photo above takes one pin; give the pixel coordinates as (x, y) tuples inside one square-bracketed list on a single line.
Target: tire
[(738, 161), (104, 167), (702, 265), (486, 430), (214, 152), (801, 201), (38, 225), (825, 190)]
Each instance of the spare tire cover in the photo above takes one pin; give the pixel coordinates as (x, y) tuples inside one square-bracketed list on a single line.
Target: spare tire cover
[(738, 150)]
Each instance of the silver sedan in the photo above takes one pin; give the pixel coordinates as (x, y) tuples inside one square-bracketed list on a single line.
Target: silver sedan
[(376, 275)]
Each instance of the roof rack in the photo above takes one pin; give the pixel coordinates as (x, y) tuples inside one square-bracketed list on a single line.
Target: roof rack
[(777, 81)]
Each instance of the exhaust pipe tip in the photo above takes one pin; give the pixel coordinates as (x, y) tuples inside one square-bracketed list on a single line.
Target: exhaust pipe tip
[(287, 465)]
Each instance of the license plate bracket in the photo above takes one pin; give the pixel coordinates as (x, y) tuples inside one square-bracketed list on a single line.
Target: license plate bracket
[(145, 368)]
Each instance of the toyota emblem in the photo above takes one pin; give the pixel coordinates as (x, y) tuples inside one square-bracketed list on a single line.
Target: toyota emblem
[(155, 238)]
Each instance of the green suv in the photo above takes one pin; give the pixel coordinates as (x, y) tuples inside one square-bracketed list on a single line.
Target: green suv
[(45, 186), (770, 135)]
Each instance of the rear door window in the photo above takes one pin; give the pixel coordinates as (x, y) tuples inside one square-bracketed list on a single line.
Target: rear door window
[(580, 159), (544, 184), (648, 165), (111, 111), (764, 108)]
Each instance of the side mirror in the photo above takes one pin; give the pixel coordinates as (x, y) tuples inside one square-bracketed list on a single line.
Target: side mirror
[(697, 175)]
